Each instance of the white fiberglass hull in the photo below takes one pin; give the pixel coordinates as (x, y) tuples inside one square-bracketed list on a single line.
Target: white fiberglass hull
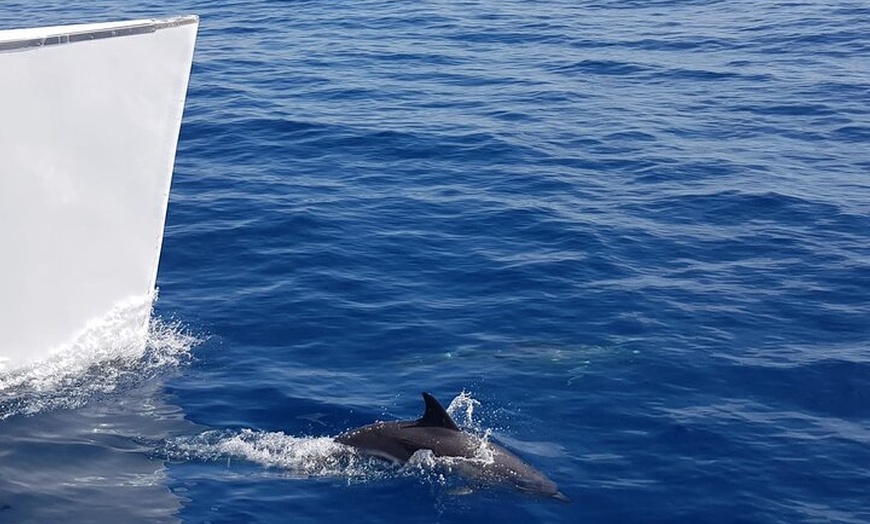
[(89, 122)]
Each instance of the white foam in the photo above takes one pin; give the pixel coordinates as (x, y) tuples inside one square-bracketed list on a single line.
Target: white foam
[(300, 457), (112, 352), (462, 408), (119, 334)]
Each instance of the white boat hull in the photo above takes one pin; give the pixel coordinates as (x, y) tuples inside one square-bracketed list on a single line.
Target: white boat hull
[(88, 134)]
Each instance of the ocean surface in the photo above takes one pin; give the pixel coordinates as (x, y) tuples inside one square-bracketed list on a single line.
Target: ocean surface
[(629, 240)]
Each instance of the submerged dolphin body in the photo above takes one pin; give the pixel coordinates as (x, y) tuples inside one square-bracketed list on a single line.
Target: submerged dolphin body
[(480, 460)]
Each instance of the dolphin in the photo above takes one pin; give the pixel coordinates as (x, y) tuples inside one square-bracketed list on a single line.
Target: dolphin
[(479, 460)]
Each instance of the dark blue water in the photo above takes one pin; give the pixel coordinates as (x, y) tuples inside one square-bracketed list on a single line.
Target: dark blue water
[(634, 233)]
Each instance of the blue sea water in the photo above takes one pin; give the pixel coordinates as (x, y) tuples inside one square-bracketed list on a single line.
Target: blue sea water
[(628, 239)]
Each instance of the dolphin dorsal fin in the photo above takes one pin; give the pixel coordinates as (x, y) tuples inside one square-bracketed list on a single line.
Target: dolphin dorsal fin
[(436, 415)]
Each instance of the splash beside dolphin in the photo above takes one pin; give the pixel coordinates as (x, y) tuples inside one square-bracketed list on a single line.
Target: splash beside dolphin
[(483, 461)]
